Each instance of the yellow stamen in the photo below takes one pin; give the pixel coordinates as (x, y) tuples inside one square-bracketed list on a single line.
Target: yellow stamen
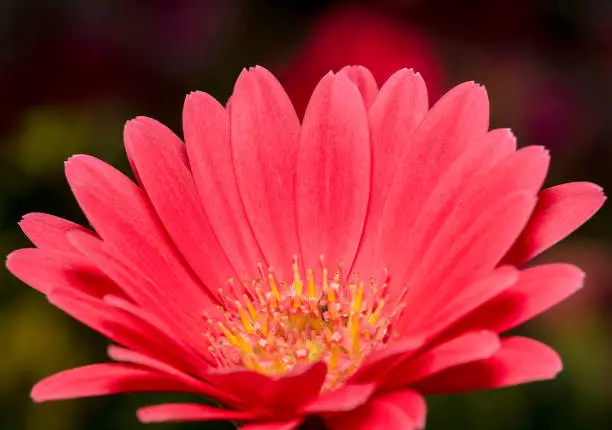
[(297, 281), (244, 318), (228, 334), (312, 291), (376, 315), (250, 308), (358, 298), (273, 287)]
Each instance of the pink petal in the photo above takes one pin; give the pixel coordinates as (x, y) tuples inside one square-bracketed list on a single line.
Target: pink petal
[(284, 425), (443, 310), (345, 398), (45, 269), (393, 119), (128, 356), (101, 380), (378, 362), (449, 194), (264, 135), (465, 249), (122, 215), (467, 348), (560, 211), (286, 392), (458, 119), (536, 290), (166, 301), (366, 84), (332, 173), (519, 360), (49, 232), (206, 128), (121, 327), (450, 212), (159, 157), (184, 412), (399, 410)]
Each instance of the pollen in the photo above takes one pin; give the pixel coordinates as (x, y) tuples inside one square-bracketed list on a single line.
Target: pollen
[(277, 325)]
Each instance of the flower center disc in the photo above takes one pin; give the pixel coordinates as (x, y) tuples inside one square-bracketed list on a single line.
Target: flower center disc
[(276, 326)]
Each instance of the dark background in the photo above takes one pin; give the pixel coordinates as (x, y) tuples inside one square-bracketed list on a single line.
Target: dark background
[(73, 71)]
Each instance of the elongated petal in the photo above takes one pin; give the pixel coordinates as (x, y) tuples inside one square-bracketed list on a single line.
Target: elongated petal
[(122, 215), (122, 327), (518, 361), (333, 173), (393, 118), (464, 349), (264, 135), (463, 252), (49, 232), (400, 410), (159, 157), (459, 118), (451, 211), (342, 399), (378, 362), (277, 425), (286, 393), (184, 412), (537, 289), (560, 211), (207, 138), (45, 270), (102, 380), (443, 311), (156, 297)]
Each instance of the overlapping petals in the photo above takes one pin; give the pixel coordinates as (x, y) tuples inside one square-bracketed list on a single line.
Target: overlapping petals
[(373, 180)]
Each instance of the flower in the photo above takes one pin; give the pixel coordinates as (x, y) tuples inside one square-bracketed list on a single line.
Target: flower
[(334, 270), (351, 34)]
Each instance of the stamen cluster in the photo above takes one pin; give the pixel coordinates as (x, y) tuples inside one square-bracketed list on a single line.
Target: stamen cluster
[(276, 326)]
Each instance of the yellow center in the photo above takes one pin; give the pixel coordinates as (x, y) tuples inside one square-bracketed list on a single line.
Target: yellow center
[(277, 326)]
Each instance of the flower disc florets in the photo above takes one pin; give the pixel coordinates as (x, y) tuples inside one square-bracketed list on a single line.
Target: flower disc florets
[(277, 326)]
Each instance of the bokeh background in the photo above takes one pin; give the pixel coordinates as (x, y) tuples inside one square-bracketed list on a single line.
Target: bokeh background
[(72, 72)]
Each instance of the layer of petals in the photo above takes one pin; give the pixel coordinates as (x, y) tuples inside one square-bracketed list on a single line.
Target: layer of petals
[(443, 309), (464, 349), (332, 173), (537, 289), (441, 224), (459, 118), (393, 118), (518, 361), (342, 399), (207, 138), (399, 410), (275, 395), (465, 249), (122, 327), (159, 158)]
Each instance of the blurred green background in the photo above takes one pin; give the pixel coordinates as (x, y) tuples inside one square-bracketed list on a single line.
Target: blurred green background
[(72, 72)]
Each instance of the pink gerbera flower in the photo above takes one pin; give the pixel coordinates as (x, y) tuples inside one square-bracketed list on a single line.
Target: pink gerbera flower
[(334, 271)]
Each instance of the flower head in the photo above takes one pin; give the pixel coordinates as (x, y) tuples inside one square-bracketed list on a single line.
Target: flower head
[(335, 269)]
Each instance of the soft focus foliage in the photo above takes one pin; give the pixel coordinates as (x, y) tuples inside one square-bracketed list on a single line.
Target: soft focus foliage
[(72, 72)]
